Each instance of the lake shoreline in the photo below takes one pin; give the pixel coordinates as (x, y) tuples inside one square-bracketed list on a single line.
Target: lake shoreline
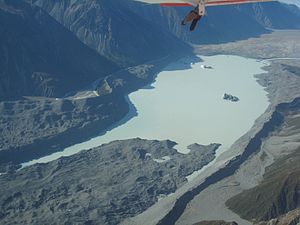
[(12, 158), (185, 72)]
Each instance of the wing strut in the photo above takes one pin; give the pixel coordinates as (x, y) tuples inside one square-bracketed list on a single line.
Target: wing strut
[(195, 15)]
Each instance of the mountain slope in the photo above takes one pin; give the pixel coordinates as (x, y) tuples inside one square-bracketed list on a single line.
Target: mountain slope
[(40, 57), (274, 15), (294, 2), (279, 191), (223, 23), (108, 26), (275, 196), (113, 29)]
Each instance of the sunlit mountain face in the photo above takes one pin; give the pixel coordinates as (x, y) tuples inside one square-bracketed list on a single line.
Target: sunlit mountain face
[(294, 2)]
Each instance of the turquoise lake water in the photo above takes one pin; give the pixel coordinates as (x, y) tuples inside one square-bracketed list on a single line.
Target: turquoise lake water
[(185, 104)]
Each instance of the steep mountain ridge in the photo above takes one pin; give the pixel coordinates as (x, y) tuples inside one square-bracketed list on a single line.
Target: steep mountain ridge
[(39, 57), (274, 15), (113, 29), (293, 2)]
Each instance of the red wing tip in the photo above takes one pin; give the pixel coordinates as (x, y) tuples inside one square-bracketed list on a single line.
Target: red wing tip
[(175, 4)]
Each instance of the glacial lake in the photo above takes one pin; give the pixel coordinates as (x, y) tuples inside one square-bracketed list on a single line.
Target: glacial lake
[(185, 104)]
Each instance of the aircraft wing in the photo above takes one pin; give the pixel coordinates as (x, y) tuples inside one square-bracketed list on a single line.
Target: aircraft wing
[(194, 2), (232, 2), (170, 2)]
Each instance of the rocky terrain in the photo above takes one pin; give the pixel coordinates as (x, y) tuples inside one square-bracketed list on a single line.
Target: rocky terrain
[(276, 195), (220, 222), (264, 46), (290, 218), (30, 127), (229, 97), (44, 65), (103, 185)]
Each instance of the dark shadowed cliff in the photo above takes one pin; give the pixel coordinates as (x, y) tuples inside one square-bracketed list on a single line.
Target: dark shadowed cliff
[(39, 57), (113, 29)]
